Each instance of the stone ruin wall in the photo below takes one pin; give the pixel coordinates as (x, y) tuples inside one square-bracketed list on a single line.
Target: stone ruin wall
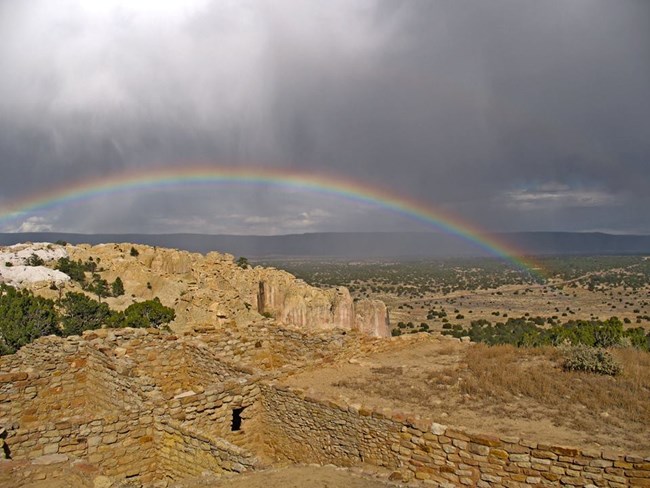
[(271, 347), (305, 429), (86, 398), (184, 453), (150, 406), (67, 403)]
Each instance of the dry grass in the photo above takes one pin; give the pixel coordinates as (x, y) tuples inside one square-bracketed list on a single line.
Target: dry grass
[(390, 370), (502, 374), (524, 385)]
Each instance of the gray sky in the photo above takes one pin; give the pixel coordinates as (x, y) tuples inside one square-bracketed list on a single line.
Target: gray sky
[(512, 114)]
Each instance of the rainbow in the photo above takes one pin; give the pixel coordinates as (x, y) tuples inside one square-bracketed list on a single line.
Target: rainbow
[(160, 178)]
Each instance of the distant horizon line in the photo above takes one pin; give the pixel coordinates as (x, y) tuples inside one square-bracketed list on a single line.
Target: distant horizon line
[(424, 232)]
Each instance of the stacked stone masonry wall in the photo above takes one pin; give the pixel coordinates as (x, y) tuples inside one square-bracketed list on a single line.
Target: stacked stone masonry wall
[(100, 400), (56, 385), (211, 411), (274, 347), (305, 429), (150, 406), (184, 452), (109, 387)]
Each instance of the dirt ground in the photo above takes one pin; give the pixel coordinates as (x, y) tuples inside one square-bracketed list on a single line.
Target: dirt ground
[(506, 391), (285, 477), (296, 477)]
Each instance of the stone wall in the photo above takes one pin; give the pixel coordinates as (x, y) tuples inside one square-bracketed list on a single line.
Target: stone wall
[(124, 401), (270, 346), (71, 400), (153, 406), (122, 446), (301, 428), (184, 452), (33, 386), (211, 410)]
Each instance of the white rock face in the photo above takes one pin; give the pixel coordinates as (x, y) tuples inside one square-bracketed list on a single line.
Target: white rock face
[(18, 254), (20, 276)]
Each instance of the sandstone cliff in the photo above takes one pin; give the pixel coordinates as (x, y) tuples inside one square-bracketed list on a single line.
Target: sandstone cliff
[(211, 290)]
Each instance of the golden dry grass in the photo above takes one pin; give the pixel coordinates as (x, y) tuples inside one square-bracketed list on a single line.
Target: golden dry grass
[(504, 373), (524, 385)]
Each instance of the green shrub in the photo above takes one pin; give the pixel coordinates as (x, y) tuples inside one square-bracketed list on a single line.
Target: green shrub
[(80, 312), (134, 252), (76, 269), (34, 260), (98, 286), (117, 287), (24, 318), (150, 313), (590, 360)]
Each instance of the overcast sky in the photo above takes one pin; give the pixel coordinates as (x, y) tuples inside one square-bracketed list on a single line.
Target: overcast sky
[(512, 114)]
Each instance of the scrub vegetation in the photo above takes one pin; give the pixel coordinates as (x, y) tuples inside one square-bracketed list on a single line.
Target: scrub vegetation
[(25, 317), (491, 298)]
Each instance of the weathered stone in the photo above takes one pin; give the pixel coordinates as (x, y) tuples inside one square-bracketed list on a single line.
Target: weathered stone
[(437, 429), (50, 459)]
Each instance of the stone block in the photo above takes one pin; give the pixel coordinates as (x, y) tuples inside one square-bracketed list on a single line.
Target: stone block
[(109, 438), (437, 429), (499, 453), (458, 435), (479, 449), (486, 440), (50, 449), (50, 459)]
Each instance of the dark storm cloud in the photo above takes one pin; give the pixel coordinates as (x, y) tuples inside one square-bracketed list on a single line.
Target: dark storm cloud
[(514, 114)]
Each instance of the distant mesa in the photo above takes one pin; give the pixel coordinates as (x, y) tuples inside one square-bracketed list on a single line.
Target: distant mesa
[(362, 244)]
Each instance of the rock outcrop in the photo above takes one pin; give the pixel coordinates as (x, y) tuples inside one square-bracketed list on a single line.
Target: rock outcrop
[(20, 253), (212, 290), (29, 276), (15, 272), (294, 302)]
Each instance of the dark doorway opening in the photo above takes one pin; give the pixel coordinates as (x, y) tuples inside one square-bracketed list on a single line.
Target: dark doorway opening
[(6, 453), (236, 419)]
